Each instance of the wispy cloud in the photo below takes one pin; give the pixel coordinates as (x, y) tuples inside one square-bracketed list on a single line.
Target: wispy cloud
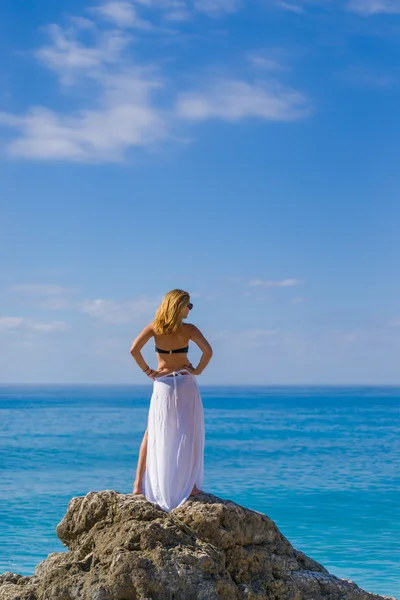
[(40, 289), (290, 7), (125, 115), (7, 323), (362, 75), (280, 283), (127, 105), (110, 311), (122, 14), (49, 327), (48, 296), (216, 8), (125, 118), (177, 13), (373, 7), (175, 10), (266, 60), (12, 323), (69, 57), (361, 7), (233, 100), (346, 337), (82, 22)]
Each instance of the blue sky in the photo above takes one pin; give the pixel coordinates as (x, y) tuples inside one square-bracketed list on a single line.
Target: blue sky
[(244, 151)]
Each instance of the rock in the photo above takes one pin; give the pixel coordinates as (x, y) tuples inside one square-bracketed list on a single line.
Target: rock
[(121, 547)]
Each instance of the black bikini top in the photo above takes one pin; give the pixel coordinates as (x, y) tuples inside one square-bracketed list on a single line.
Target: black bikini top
[(171, 351)]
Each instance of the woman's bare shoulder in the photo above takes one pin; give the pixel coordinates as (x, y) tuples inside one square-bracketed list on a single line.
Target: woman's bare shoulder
[(198, 338), (191, 329)]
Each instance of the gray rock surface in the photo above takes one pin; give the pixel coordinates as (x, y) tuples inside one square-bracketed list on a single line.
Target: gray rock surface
[(121, 547)]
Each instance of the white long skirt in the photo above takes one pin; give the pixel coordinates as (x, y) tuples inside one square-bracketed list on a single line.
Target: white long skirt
[(175, 446)]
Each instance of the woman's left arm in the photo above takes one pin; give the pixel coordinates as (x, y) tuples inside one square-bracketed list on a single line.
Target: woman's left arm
[(138, 344)]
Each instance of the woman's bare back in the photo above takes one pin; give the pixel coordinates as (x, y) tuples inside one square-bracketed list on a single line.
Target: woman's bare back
[(173, 362)]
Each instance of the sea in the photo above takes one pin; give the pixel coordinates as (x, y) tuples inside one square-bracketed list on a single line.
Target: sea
[(322, 462)]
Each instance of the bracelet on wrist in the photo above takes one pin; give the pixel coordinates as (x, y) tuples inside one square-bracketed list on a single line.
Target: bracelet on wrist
[(144, 370)]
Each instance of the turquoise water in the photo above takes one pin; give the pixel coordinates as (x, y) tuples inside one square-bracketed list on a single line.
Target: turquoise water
[(322, 462)]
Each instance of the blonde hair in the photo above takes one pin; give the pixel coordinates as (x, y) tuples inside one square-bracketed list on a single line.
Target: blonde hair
[(169, 314)]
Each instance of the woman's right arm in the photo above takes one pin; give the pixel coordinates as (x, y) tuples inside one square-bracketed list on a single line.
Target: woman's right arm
[(204, 346), (138, 344)]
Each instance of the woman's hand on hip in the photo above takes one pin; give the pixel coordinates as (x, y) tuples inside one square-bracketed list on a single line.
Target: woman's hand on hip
[(153, 374), (191, 369)]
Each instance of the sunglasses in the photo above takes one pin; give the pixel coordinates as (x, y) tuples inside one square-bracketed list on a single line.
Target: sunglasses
[(190, 306)]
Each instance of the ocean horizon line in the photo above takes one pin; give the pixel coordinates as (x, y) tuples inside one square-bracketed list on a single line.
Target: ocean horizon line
[(233, 385)]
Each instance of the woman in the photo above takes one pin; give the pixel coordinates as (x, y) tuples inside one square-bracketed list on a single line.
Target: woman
[(171, 460)]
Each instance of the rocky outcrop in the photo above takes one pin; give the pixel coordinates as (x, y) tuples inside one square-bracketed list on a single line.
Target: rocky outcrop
[(121, 547)]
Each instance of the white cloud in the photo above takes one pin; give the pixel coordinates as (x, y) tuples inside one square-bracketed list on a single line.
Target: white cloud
[(183, 9), (125, 118), (290, 7), (371, 77), (128, 117), (373, 7), (177, 14), (361, 7), (49, 296), (122, 14), (69, 57), (39, 289), (369, 337), (264, 59), (347, 337), (215, 8), (49, 327), (82, 22), (10, 323), (123, 115), (232, 100), (110, 311), (122, 104), (297, 300), (281, 283)]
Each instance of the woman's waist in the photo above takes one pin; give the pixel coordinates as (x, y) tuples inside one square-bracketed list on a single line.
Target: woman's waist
[(173, 361), (174, 373), (173, 365)]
